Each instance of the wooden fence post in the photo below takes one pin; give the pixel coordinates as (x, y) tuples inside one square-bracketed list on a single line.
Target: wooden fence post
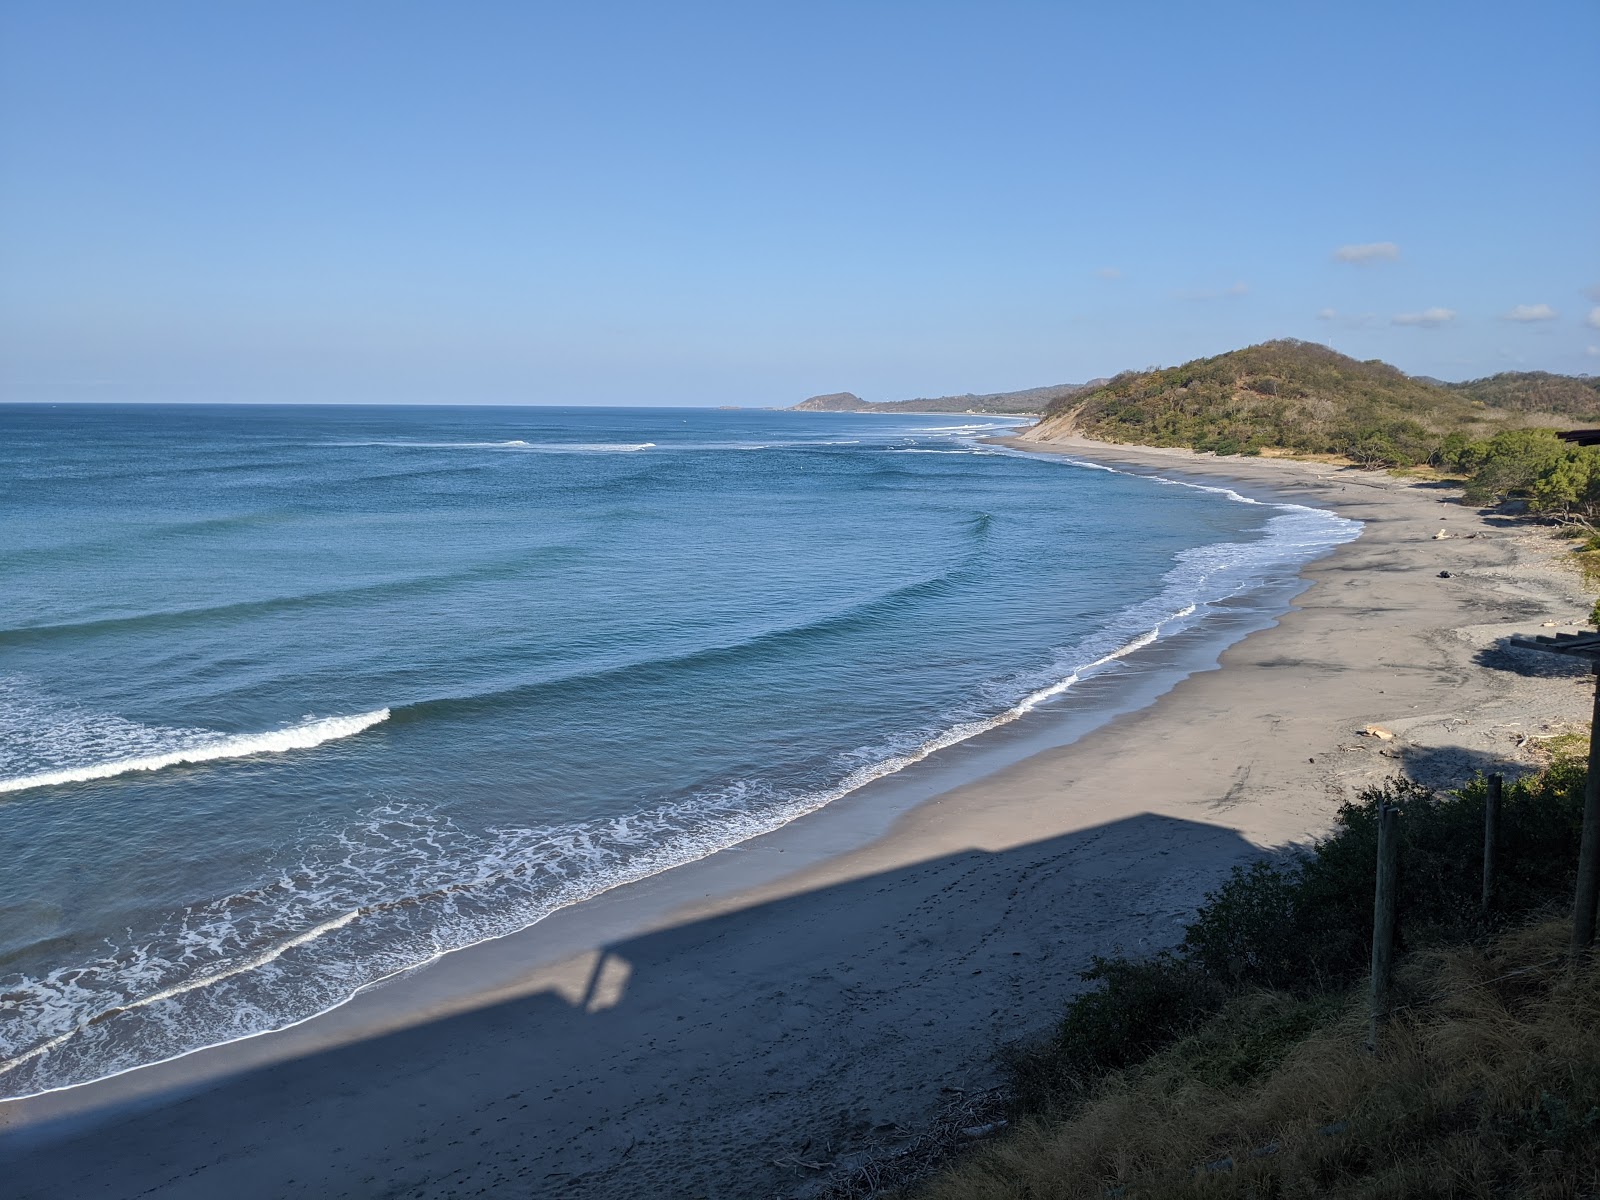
[(1491, 838), (1588, 891), (1383, 916)]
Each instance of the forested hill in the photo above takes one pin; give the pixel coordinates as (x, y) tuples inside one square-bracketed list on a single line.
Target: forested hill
[(1309, 399), (1032, 400), (1536, 391)]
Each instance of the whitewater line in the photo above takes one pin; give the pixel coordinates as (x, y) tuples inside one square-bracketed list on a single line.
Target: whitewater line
[(656, 862), (753, 826), (295, 737), (105, 1014)]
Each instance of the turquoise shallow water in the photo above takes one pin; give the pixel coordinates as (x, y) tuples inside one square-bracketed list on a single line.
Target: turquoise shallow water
[(293, 698)]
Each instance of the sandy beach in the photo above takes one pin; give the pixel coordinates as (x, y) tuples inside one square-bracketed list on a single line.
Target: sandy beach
[(756, 1023)]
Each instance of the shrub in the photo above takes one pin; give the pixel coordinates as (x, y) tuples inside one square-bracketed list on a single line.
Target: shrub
[(1511, 464), (1139, 1007), (1303, 924), (1489, 1085)]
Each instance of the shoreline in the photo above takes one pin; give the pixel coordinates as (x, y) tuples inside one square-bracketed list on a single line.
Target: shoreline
[(1180, 641), (765, 1011)]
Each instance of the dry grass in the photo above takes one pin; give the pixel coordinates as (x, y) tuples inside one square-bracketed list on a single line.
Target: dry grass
[(1424, 473), (1567, 743), (1488, 1085), (1332, 460)]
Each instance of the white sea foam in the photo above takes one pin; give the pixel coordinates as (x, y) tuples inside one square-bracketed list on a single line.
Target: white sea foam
[(404, 885), (400, 887), (178, 746)]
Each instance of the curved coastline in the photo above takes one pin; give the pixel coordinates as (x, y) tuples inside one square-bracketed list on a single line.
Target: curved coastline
[(967, 796), (1177, 642), (1162, 647)]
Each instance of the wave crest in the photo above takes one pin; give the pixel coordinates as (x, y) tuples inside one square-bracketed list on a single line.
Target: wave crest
[(206, 747)]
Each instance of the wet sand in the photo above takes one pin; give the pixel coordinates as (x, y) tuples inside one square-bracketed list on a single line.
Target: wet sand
[(752, 1024)]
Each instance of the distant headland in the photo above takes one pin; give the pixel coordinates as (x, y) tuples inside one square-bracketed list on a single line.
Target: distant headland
[(1278, 396), (1029, 402)]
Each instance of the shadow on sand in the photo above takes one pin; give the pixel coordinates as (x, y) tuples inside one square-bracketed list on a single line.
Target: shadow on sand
[(1532, 664), (1452, 766), (689, 1062)]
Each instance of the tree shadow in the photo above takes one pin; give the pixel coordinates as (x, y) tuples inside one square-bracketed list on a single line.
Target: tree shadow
[(1532, 664), (706, 1059), (1442, 767)]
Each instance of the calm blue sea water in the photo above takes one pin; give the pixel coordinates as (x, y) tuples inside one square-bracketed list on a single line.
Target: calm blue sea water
[(293, 698)]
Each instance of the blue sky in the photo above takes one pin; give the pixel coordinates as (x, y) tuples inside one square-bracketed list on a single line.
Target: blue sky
[(750, 203)]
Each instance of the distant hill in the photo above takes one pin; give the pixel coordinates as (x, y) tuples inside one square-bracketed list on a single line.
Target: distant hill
[(832, 402), (1031, 400), (1281, 395), (1286, 394), (1536, 391)]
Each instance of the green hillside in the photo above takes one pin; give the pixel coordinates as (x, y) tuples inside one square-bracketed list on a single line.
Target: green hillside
[(1536, 391), (1289, 395)]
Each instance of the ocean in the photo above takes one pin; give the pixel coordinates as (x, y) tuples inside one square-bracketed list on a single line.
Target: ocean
[(295, 698)]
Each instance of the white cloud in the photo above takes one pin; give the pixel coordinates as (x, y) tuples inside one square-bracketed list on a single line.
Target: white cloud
[(1593, 351), (1593, 293), (1239, 289), (1428, 318), (1362, 253), (1108, 273), (1593, 319), (1327, 314), (1530, 312)]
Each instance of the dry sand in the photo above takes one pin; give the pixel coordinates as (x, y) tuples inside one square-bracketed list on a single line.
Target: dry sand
[(754, 1024)]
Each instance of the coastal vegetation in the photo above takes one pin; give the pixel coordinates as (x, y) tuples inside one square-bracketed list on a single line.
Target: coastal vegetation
[(1282, 396), (1291, 397), (1303, 398), (1235, 1064), (1546, 475), (1487, 1088), (1537, 392)]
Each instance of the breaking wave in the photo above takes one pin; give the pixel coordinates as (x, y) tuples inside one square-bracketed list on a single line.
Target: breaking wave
[(143, 747), (350, 902)]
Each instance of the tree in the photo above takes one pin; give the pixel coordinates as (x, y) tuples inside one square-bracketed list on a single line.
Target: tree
[(1512, 463)]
